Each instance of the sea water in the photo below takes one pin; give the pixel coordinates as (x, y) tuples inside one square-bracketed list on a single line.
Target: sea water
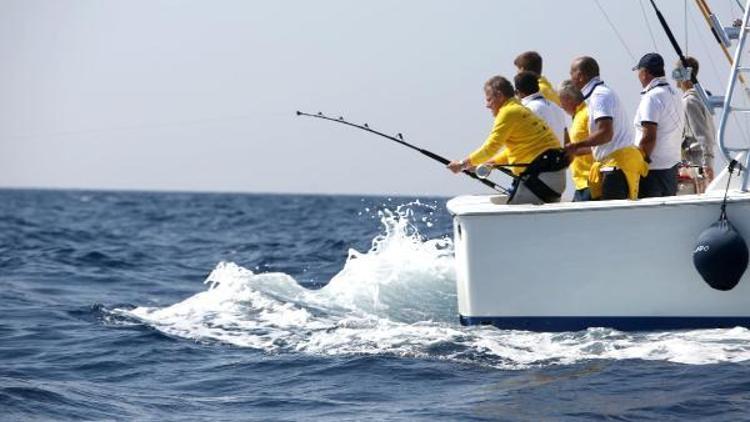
[(185, 306)]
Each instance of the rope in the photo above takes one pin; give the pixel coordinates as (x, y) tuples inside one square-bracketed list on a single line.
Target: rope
[(685, 23), (732, 164), (617, 33), (648, 26)]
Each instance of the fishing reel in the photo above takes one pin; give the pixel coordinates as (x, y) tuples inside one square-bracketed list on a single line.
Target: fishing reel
[(483, 171), (682, 74)]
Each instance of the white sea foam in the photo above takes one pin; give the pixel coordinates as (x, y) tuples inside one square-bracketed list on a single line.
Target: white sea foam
[(399, 299)]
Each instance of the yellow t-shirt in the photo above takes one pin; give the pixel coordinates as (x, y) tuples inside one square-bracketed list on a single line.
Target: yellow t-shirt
[(630, 160), (546, 89), (523, 134), (579, 131)]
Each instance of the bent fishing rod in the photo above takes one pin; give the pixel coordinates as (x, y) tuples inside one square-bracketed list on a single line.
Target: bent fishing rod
[(399, 138)]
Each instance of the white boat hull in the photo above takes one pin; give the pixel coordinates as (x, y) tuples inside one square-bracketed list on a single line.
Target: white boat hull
[(569, 266)]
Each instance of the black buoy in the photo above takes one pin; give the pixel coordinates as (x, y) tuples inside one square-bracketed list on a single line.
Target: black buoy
[(721, 254)]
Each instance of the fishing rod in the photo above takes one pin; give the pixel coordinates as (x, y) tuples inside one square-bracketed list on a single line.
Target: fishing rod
[(698, 88), (673, 40), (399, 138)]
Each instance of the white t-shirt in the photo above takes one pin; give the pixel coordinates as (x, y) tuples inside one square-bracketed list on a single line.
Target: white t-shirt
[(549, 112), (604, 103), (661, 104)]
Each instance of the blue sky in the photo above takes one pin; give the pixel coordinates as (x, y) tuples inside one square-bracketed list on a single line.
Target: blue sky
[(201, 95)]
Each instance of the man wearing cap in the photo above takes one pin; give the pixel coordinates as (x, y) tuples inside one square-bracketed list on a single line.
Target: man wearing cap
[(659, 123), (618, 165)]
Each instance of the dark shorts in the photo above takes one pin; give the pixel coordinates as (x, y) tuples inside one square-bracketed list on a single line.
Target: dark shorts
[(659, 183), (582, 195), (615, 185)]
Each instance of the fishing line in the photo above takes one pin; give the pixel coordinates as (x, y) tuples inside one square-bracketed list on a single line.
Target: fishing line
[(648, 26), (685, 24), (617, 33), (131, 128)]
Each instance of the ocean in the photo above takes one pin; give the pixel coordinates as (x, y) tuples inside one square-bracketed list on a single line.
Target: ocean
[(203, 306)]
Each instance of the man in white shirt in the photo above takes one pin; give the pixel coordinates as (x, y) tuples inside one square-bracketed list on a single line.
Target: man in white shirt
[(659, 124), (527, 90), (610, 139)]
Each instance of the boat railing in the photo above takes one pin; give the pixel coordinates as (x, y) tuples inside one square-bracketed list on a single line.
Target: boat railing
[(738, 69)]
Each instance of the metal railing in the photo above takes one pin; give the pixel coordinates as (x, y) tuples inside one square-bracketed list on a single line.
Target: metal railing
[(731, 153)]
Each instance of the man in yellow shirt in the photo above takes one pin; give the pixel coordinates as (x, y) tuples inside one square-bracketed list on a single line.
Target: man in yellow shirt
[(571, 100), (531, 61), (527, 140)]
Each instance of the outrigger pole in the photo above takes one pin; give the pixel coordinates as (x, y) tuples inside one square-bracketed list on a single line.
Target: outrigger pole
[(709, 17), (400, 139), (713, 24)]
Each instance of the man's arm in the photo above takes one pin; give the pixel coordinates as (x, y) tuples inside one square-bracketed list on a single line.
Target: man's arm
[(648, 139), (495, 140), (602, 134)]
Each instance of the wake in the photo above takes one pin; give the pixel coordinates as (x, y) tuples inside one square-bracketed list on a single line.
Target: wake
[(399, 299)]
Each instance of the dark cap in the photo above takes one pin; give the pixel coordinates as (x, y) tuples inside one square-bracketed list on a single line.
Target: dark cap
[(651, 62)]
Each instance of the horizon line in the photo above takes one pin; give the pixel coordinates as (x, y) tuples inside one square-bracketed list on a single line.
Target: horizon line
[(212, 192)]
